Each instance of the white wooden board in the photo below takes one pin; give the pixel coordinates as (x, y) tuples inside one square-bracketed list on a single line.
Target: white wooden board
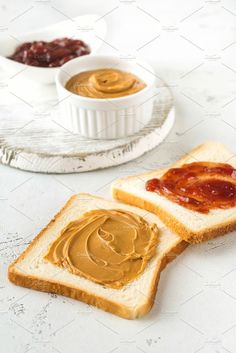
[(32, 139)]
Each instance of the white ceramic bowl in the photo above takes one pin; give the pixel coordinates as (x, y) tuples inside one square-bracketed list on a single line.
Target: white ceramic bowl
[(89, 28), (105, 118)]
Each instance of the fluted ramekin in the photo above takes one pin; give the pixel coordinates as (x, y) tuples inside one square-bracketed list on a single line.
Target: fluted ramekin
[(112, 118)]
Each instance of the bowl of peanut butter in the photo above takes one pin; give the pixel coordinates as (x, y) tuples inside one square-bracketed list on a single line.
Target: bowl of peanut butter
[(105, 97)]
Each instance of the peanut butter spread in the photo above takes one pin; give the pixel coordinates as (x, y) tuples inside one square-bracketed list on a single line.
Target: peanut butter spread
[(105, 83), (110, 247)]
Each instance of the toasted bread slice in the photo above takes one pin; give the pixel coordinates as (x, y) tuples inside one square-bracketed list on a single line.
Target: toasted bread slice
[(131, 301), (192, 226)]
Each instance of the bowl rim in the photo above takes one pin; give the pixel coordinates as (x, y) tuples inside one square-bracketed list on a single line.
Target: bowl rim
[(21, 65), (61, 70)]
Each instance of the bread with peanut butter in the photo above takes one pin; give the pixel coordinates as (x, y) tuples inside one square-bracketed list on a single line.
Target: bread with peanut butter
[(195, 197), (101, 252)]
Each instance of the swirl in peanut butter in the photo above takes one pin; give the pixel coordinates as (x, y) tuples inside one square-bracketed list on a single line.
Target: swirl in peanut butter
[(109, 247), (105, 83)]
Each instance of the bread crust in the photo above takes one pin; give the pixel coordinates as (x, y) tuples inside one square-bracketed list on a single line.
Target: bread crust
[(40, 284), (168, 219)]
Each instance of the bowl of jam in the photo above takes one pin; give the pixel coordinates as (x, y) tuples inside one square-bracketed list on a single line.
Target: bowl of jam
[(37, 55), (49, 54)]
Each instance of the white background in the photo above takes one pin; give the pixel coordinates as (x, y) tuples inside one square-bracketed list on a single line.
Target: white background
[(192, 45)]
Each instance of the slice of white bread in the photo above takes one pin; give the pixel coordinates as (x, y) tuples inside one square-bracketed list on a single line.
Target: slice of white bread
[(192, 226), (131, 301)]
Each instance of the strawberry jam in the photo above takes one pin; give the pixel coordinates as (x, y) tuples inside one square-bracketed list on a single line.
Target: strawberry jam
[(199, 186), (49, 54)]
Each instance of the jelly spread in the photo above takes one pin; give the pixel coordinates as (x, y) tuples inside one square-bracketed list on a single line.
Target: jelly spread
[(199, 186), (105, 83), (109, 247), (49, 54)]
